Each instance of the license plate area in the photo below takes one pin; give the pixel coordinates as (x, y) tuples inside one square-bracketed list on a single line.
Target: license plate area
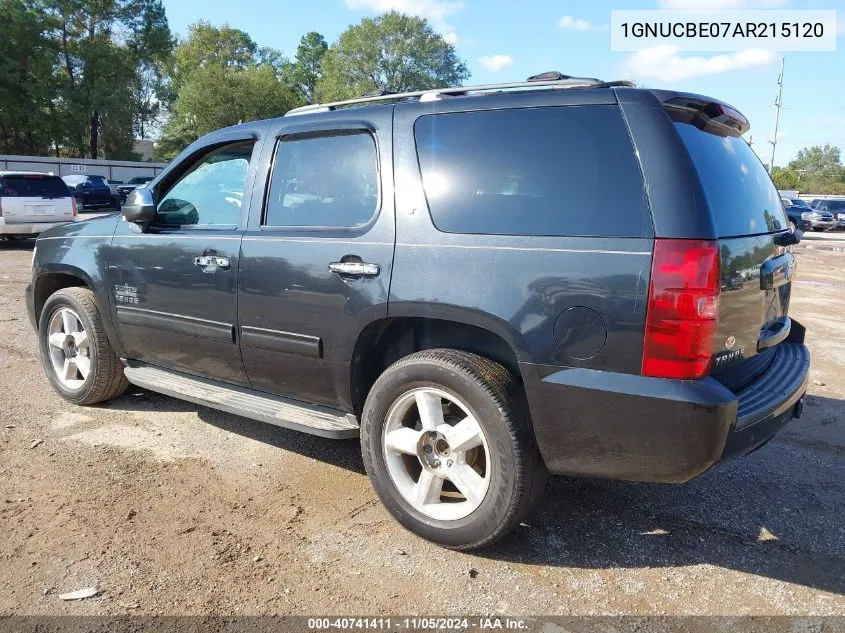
[(39, 209)]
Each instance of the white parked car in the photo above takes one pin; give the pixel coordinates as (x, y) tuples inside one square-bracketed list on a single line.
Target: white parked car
[(32, 202)]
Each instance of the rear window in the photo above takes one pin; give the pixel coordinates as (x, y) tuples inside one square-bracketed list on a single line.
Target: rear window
[(566, 170), (741, 195), (33, 187)]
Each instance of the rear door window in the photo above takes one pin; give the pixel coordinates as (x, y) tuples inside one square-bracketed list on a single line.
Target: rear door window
[(33, 187), (559, 171), (742, 197), (329, 180)]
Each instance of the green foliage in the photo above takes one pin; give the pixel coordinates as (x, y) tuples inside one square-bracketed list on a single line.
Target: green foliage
[(393, 52), (79, 75), (220, 77), (817, 169), (785, 178), (27, 85), (210, 46), (306, 70)]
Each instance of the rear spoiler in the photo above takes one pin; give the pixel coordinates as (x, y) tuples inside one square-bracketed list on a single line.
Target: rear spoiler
[(704, 113)]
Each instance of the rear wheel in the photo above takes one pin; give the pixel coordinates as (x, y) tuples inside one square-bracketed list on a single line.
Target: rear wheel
[(449, 448), (76, 354)]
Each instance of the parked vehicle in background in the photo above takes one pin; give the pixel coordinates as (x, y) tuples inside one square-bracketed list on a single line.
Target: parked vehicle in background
[(835, 207), (125, 189), (32, 202), (92, 191), (798, 202), (799, 214), (563, 275)]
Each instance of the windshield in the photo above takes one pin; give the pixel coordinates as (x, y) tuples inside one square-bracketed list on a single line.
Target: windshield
[(800, 203), (742, 197)]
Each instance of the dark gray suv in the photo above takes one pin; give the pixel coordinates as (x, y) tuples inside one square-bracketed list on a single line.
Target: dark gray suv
[(486, 284)]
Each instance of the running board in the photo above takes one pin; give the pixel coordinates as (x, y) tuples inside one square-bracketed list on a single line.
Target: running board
[(255, 405)]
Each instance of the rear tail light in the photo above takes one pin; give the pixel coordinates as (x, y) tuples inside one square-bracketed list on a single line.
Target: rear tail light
[(73, 207), (683, 309)]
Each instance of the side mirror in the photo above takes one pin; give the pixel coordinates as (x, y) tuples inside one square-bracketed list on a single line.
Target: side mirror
[(140, 206)]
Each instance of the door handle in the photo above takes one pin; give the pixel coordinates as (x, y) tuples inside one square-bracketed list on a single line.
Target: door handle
[(354, 269), (211, 263)]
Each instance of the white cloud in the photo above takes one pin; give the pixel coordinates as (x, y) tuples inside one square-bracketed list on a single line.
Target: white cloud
[(574, 24), (663, 63), (451, 37), (435, 11), (722, 4), (495, 63)]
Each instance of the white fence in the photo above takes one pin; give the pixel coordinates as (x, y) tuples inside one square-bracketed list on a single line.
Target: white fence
[(112, 170)]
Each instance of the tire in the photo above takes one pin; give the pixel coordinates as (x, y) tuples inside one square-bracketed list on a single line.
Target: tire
[(504, 458), (104, 377)]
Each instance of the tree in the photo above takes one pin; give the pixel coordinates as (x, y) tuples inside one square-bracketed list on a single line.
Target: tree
[(103, 47), (304, 73), (209, 45), (819, 169), (27, 85), (786, 178), (393, 52), (817, 160), (220, 77)]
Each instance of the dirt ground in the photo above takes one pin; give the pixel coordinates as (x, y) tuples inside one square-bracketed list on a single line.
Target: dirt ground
[(170, 508)]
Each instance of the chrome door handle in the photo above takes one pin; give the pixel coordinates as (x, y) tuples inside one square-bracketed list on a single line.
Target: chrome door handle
[(211, 263), (354, 269)]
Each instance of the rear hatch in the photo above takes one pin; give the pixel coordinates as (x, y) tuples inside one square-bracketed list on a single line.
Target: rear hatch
[(757, 265), (34, 198)]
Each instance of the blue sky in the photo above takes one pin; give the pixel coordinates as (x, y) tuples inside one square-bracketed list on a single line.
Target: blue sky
[(503, 40)]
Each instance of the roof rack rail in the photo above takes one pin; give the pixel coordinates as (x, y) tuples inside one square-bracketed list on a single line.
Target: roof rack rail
[(433, 94)]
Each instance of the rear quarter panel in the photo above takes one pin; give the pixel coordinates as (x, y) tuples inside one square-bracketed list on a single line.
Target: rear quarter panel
[(516, 286)]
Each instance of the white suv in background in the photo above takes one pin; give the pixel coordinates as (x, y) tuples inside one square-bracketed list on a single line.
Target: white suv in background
[(32, 202)]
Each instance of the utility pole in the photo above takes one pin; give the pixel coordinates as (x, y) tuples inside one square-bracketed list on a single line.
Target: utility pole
[(778, 105)]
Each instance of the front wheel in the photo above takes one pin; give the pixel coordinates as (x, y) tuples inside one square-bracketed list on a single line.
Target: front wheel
[(76, 353), (449, 448)]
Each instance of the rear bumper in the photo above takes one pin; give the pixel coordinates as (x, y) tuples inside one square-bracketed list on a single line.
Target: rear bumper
[(33, 228), (624, 426), (95, 202)]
